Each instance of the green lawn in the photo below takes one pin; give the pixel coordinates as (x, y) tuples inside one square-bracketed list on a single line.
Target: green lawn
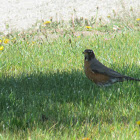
[(44, 93)]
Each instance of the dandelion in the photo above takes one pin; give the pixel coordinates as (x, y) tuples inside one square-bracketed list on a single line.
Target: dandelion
[(88, 27), (47, 22), (1, 48), (138, 123), (108, 16), (138, 19), (33, 42), (6, 41), (0, 41), (86, 139), (78, 36)]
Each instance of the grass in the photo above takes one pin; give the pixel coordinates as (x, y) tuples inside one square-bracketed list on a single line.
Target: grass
[(44, 93)]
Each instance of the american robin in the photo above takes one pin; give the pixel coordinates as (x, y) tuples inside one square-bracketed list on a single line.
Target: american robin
[(100, 74)]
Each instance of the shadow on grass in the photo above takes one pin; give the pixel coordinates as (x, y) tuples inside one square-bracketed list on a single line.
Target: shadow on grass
[(67, 98)]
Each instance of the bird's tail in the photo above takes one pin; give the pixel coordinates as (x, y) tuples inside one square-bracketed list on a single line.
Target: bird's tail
[(130, 78)]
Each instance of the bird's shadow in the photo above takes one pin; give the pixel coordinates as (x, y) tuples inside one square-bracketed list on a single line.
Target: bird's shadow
[(48, 97)]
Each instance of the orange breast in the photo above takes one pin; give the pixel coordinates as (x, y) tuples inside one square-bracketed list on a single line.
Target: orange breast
[(95, 77)]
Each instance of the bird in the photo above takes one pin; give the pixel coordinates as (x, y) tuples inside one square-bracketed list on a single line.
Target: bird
[(99, 73)]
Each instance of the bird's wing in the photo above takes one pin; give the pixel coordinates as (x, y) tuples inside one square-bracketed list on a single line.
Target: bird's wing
[(98, 67)]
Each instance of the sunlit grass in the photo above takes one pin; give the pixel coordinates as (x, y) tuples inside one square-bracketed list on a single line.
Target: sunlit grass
[(44, 93)]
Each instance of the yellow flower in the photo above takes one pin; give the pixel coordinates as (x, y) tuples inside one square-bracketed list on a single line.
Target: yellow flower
[(138, 123), (6, 41), (88, 27), (33, 42), (1, 48), (47, 22), (138, 19), (108, 16), (0, 41), (86, 139), (78, 36)]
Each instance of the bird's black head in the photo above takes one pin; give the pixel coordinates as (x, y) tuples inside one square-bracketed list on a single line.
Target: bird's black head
[(89, 54)]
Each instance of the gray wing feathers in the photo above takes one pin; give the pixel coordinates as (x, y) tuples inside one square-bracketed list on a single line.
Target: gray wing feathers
[(98, 67)]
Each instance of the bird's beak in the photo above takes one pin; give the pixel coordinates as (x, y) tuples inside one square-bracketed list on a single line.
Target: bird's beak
[(83, 52)]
